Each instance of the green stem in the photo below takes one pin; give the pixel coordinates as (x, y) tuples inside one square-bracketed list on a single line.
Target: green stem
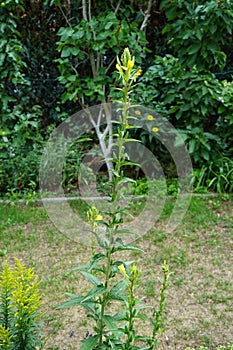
[(131, 318), (107, 274), (116, 178)]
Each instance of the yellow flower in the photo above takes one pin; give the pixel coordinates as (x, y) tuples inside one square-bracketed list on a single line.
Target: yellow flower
[(155, 129), (122, 270), (150, 117), (99, 218), (137, 112), (139, 72), (130, 64)]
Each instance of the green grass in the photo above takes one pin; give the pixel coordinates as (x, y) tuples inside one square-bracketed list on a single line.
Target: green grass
[(199, 252)]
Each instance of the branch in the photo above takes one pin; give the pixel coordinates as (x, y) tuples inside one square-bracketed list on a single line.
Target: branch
[(118, 6), (92, 61), (84, 6), (146, 15), (89, 10), (64, 15), (110, 64), (106, 149)]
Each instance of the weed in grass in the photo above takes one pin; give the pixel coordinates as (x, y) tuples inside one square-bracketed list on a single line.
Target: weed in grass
[(158, 236)]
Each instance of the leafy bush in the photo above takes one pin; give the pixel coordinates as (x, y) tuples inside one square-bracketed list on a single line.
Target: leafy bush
[(196, 103), (20, 151), (216, 176), (198, 31)]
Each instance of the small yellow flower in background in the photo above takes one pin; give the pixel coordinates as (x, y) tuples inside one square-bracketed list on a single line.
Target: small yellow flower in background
[(130, 64), (122, 270), (155, 129), (137, 112), (99, 218), (150, 117), (139, 72)]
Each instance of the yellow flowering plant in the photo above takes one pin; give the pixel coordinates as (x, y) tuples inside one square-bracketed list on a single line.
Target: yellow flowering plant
[(114, 280), (20, 302)]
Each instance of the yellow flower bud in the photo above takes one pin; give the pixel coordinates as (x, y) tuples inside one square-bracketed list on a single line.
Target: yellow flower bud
[(122, 270), (99, 218), (139, 72), (150, 117), (130, 64), (118, 67)]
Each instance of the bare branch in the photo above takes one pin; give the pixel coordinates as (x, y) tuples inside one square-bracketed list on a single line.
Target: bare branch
[(105, 148), (110, 64), (89, 10), (64, 15), (84, 6), (92, 61), (146, 15), (118, 6)]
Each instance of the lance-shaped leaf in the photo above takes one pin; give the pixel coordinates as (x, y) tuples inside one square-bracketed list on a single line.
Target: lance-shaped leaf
[(110, 322), (94, 292), (121, 246), (95, 281), (90, 343), (116, 292)]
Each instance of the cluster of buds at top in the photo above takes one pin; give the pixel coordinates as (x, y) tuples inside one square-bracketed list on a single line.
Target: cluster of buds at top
[(93, 216), (125, 67)]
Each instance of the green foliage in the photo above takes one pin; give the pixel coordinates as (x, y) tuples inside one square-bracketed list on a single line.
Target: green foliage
[(196, 103), (20, 152), (21, 140), (20, 301), (198, 31), (11, 62), (88, 54), (216, 176)]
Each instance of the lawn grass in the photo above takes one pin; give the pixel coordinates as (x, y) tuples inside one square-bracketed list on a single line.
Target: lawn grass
[(199, 306)]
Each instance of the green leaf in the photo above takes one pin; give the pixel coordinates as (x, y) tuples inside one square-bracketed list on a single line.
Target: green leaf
[(171, 13), (110, 322), (194, 48), (205, 154), (94, 260), (81, 268), (95, 292), (75, 301), (192, 146), (116, 292), (122, 247), (90, 343), (92, 279)]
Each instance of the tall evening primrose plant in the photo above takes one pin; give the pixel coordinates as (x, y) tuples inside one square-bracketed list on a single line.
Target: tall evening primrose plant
[(114, 281)]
